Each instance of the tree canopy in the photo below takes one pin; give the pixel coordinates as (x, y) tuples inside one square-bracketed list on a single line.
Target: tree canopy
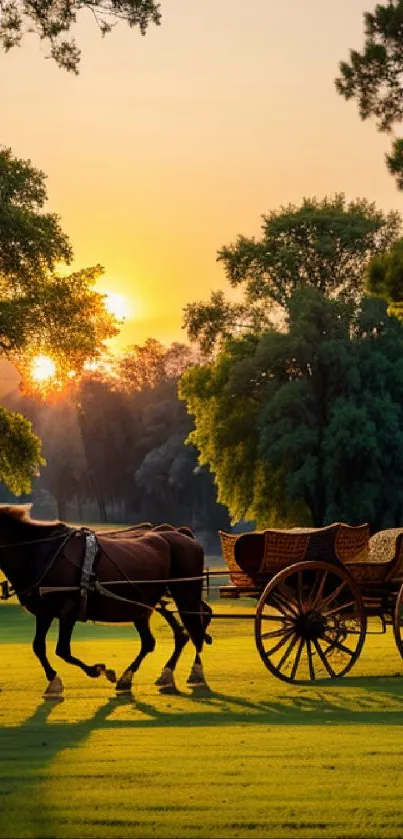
[(53, 20), (42, 311), (373, 77), (325, 244), (299, 417), (305, 425)]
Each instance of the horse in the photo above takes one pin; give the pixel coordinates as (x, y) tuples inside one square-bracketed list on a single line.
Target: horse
[(181, 637), (44, 562)]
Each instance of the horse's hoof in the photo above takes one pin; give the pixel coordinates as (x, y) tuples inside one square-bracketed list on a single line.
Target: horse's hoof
[(125, 682), (99, 669), (166, 681), (54, 689), (196, 676), (208, 639), (110, 675), (166, 678)]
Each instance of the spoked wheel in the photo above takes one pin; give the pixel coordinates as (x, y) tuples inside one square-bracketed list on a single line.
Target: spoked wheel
[(398, 622), (310, 622)]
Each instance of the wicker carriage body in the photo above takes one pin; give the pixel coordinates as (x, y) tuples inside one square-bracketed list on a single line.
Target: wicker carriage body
[(375, 562)]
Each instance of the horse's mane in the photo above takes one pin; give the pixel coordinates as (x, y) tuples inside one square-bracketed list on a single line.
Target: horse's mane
[(21, 513)]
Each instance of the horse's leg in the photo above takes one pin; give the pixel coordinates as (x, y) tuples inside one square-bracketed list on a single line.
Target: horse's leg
[(196, 616), (63, 650), (147, 646), (43, 623), (196, 676), (166, 679)]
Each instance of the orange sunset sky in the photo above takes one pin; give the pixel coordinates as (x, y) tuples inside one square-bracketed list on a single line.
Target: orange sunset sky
[(164, 148)]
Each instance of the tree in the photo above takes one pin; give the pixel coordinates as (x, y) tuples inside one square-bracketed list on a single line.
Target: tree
[(305, 425), (52, 21), (41, 311), (66, 475), (336, 423), (20, 452), (144, 366), (374, 77), (108, 437), (325, 244)]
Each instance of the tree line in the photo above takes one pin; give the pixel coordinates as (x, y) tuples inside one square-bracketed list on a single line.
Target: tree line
[(114, 445)]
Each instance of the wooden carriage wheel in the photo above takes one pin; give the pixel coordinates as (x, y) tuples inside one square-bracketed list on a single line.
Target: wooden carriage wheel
[(310, 622), (398, 621)]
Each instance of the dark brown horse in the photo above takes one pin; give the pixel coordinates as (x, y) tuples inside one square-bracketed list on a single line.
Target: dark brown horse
[(44, 564)]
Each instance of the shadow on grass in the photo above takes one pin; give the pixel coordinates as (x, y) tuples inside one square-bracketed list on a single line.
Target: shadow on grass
[(377, 700), (28, 751)]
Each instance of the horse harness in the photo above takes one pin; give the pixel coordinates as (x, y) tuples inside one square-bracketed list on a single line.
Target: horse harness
[(87, 571), (88, 580)]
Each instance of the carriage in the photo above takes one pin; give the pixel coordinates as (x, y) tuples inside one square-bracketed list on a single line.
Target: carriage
[(319, 591)]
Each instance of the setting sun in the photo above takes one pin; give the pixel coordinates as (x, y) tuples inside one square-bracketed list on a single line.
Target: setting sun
[(117, 305), (42, 368)]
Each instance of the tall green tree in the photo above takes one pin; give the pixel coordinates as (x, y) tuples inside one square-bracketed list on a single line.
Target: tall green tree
[(41, 311), (373, 77), (324, 244), (53, 20), (305, 425)]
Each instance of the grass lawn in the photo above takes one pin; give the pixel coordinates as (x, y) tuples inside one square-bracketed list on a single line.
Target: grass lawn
[(254, 758)]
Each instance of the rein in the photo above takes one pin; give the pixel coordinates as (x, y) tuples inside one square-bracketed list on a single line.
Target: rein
[(100, 589)]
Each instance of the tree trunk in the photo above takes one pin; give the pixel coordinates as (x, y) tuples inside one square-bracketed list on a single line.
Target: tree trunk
[(61, 508)]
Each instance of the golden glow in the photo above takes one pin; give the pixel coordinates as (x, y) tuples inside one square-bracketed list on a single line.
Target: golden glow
[(187, 160), (43, 368), (104, 365), (117, 305)]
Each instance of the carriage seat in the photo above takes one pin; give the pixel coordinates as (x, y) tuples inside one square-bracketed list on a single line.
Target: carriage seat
[(384, 560)]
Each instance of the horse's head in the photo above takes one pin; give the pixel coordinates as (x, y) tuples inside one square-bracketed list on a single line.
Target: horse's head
[(26, 544), (13, 518), (16, 523)]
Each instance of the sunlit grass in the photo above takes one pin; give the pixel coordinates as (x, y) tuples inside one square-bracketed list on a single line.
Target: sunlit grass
[(256, 757)]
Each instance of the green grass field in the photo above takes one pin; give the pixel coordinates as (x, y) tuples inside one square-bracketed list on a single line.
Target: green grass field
[(254, 758)]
